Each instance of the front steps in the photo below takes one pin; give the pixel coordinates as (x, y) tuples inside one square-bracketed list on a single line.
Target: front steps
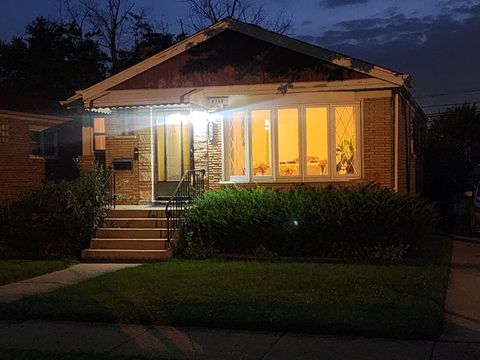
[(131, 234)]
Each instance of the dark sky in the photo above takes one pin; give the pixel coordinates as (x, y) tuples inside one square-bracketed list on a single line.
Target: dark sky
[(436, 41)]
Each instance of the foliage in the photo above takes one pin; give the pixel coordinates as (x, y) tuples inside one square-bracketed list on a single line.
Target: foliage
[(452, 152), (345, 154), (46, 66), (362, 222), (58, 219)]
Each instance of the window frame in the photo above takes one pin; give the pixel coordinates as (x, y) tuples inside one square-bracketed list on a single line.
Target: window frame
[(95, 133), (332, 175), (41, 144), (358, 139)]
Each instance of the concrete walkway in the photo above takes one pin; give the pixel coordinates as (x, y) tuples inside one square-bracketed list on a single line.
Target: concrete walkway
[(202, 343), (54, 280), (462, 304)]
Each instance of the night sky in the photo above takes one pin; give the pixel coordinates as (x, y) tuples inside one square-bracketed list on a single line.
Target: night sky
[(436, 41)]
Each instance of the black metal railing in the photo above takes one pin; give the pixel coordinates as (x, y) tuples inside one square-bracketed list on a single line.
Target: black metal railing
[(109, 188), (190, 186)]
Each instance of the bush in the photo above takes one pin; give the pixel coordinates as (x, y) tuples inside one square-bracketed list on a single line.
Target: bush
[(58, 219), (361, 222)]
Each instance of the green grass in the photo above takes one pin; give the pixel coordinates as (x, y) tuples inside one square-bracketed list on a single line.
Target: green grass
[(374, 300), (15, 354), (16, 270)]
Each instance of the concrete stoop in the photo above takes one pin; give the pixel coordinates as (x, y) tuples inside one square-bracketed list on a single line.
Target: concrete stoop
[(131, 235)]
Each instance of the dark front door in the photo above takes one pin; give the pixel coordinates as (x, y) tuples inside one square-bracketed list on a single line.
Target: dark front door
[(173, 149)]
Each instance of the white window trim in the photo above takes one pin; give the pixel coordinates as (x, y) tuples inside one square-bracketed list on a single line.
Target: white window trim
[(332, 175)]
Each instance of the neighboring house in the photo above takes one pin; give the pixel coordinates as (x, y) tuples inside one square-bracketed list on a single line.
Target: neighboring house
[(30, 148), (252, 107)]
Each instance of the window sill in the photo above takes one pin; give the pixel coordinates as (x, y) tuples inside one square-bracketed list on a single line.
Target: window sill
[(121, 137), (293, 181)]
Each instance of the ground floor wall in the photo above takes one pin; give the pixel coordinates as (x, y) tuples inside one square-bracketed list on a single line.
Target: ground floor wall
[(387, 158)]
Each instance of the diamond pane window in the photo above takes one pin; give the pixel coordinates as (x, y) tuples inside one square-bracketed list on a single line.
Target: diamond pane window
[(236, 144), (345, 140)]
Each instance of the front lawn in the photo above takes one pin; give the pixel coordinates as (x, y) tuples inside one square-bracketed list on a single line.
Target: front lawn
[(375, 300), (16, 270)]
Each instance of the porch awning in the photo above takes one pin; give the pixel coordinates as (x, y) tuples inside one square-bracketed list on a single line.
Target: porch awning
[(141, 97)]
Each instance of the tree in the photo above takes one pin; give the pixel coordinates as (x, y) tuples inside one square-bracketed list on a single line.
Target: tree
[(203, 13), (452, 152), (112, 22), (47, 66)]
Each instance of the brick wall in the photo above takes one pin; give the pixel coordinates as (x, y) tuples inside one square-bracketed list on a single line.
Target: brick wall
[(122, 147), (378, 141), (19, 171)]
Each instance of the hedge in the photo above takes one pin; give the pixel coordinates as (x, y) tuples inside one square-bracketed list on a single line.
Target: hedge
[(57, 219), (359, 222)]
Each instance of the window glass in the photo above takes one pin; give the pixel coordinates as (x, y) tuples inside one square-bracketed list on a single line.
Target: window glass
[(261, 140), (317, 141), (236, 144), (345, 140), (49, 144), (288, 154), (35, 143), (173, 145)]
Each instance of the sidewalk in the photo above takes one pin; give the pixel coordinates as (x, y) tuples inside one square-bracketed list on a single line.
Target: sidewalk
[(202, 343), (462, 303), (54, 280)]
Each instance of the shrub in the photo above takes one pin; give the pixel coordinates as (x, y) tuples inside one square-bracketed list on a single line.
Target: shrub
[(361, 222), (58, 219)]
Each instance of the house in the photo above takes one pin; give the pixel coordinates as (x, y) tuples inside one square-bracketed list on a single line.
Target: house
[(29, 150), (252, 107)]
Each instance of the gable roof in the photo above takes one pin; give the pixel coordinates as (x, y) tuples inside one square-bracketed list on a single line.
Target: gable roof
[(393, 77)]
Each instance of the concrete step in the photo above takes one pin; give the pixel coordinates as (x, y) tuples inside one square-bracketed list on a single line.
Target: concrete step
[(122, 255), (138, 213), (132, 233), (135, 223), (129, 244)]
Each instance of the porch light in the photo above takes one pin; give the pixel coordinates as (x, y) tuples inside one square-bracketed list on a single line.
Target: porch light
[(199, 120)]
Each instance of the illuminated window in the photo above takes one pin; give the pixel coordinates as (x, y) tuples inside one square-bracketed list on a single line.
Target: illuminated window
[(345, 140), (288, 149), (261, 142), (317, 141), (3, 133), (99, 133), (302, 143), (236, 145)]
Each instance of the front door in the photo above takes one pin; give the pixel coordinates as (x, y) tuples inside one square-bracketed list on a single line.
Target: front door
[(173, 149)]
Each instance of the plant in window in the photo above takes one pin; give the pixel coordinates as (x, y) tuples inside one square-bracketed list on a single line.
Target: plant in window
[(323, 164), (262, 169), (345, 155)]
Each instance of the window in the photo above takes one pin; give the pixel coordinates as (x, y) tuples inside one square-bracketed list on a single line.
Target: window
[(44, 144), (3, 133), (345, 140), (316, 119), (126, 122), (261, 142), (311, 142), (236, 146), (98, 134), (288, 149)]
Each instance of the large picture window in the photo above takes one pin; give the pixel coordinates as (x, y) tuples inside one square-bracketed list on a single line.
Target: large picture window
[(261, 142), (293, 143)]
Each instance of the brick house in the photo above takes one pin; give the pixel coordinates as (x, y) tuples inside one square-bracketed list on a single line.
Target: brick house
[(252, 107), (27, 143)]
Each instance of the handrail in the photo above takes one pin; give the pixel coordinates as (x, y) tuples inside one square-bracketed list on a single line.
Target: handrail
[(109, 189), (190, 186)]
